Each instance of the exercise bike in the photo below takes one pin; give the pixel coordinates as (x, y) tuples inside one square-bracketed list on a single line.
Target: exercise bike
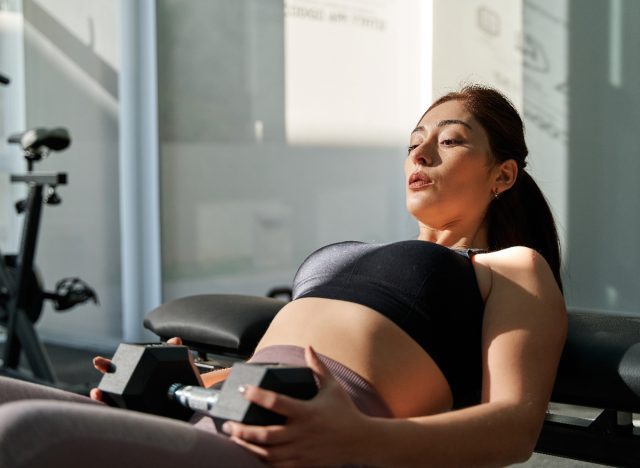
[(21, 292)]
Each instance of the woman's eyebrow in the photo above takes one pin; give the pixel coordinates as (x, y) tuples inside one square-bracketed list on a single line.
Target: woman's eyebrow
[(443, 123)]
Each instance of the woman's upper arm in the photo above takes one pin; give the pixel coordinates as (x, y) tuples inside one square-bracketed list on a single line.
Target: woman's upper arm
[(524, 330)]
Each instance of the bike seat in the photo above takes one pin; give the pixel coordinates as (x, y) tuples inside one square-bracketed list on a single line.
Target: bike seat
[(37, 139)]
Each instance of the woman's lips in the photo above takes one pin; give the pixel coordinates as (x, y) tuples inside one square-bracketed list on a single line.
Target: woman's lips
[(419, 180)]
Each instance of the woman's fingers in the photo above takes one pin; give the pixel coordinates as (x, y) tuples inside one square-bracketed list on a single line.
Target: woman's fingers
[(324, 376), (279, 456), (276, 402), (103, 364), (317, 366), (261, 452), (261, 435), (274, 453), (96, 394)]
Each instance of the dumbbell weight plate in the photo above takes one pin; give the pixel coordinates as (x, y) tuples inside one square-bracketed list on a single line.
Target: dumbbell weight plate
[(142, 375), (294, 381)]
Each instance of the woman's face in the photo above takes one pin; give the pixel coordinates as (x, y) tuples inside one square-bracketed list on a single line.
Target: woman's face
[(449, 169)]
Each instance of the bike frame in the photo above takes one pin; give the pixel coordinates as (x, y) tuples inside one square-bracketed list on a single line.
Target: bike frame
[(21, 334)]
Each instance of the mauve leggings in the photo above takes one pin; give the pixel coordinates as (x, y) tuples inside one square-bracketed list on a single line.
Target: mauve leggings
[(46, 427)]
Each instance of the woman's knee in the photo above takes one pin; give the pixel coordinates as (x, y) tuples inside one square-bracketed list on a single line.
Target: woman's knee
[(20, 431), (14, 390), (50, 433)]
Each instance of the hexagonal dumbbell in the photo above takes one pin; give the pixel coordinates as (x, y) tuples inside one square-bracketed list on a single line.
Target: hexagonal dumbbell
[(229, 403), (159, 379)]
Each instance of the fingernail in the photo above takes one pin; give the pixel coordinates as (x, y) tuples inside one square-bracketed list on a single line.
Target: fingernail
[(242, 389), (226, 428)]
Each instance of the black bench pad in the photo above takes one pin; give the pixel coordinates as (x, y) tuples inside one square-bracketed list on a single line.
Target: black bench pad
[(222, 322), (600, 365)]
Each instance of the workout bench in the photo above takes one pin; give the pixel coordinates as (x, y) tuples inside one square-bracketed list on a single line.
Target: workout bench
[(599, 368)]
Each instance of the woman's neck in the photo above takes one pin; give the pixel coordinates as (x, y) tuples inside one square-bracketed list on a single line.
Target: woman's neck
[(455, 236)]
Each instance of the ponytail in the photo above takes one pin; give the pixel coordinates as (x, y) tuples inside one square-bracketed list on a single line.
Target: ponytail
[(521, 216)]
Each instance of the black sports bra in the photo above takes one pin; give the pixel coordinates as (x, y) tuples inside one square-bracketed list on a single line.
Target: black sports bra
[(428, 290)]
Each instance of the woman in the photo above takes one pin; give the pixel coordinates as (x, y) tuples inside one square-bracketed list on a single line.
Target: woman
[(438, 351), (467, 187)]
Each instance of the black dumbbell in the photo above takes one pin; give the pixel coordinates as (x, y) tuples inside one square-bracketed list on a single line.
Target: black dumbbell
[(159, 379)]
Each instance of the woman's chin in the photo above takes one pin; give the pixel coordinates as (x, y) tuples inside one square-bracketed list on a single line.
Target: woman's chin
[(420, 211), (418, 202)]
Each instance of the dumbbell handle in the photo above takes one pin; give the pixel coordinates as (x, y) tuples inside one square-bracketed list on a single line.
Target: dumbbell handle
[(199, 399)]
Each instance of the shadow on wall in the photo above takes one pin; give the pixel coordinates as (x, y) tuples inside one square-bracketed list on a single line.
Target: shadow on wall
[(81, 54)]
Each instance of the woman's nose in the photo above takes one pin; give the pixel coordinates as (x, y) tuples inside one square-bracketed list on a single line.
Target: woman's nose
[(421, 156)]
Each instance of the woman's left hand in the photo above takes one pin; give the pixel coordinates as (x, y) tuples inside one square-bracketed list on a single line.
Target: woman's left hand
[(322, 431)]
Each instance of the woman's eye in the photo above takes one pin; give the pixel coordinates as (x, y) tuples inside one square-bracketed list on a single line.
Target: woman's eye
[(450, 142), (411, 148)]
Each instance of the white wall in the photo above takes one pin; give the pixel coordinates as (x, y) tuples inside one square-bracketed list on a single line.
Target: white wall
[(12, 119)]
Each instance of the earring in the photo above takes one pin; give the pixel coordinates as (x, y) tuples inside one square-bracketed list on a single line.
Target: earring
[(496, 193)]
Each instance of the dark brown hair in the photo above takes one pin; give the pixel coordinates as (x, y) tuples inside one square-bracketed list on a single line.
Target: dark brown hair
[(520, 215)]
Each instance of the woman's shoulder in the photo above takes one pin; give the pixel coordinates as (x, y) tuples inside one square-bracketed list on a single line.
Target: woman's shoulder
[(517, 258), (515, 267)]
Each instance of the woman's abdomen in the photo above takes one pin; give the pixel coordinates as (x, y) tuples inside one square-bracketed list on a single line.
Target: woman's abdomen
[(368, 343)]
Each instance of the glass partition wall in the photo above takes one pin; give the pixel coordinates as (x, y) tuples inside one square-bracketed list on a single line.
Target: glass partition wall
[(64, 69), (283, 126)]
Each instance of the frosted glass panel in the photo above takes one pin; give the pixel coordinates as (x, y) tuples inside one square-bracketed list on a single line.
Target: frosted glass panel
[(478, 41), (283, 128), (351, 70), (545, 61), (571, 67)]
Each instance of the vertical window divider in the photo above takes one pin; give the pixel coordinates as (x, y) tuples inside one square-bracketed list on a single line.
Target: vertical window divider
[(139, 167)]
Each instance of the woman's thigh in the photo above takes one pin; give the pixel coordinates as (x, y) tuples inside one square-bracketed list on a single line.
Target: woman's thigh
[(13, 390), (36, 433)]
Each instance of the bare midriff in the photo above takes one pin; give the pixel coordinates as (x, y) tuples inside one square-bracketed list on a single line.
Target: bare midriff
[(401, 371)]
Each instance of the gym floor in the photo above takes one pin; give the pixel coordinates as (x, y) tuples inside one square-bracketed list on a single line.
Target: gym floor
[(73, 367)]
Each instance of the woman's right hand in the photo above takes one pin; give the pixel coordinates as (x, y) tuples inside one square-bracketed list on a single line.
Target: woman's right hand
[(104, 366), (327, 430)]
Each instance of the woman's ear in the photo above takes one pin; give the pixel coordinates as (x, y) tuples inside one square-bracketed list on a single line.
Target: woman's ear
[(506, 175)]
